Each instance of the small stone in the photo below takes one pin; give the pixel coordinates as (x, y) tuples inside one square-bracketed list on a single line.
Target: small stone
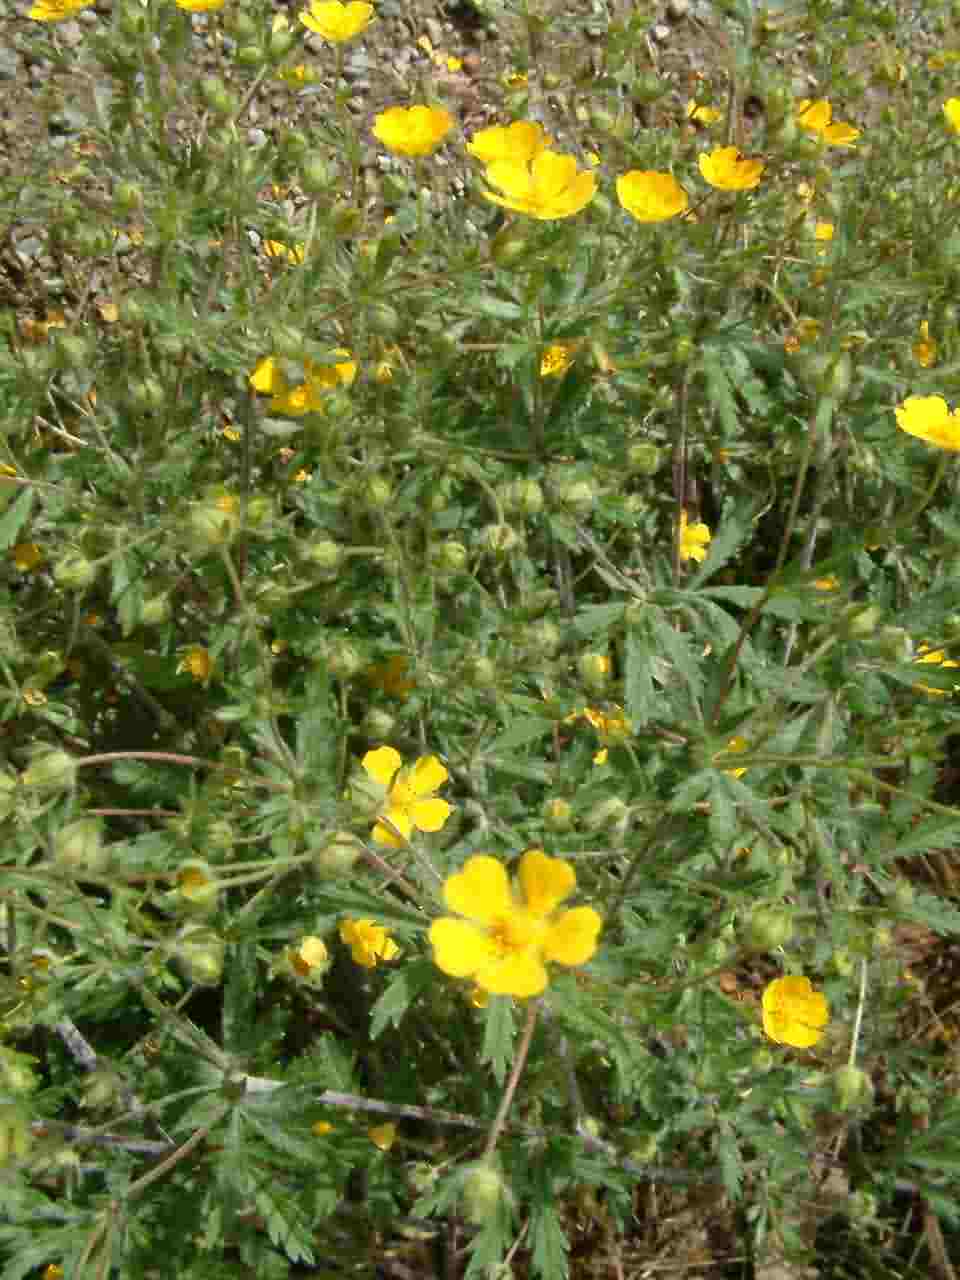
[(678, 9), (660, 32), (256, 137)]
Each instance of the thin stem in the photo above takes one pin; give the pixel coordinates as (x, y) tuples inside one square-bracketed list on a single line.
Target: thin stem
[(520, 1061), (860, 1005)]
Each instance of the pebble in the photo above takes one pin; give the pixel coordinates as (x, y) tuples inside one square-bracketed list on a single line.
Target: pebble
[(256, 137), (660, 32)]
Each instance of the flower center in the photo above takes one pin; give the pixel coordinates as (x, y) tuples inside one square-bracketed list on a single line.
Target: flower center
[(519, 931)]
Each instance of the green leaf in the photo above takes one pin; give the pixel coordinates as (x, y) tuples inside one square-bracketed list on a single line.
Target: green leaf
[(734, 529), (548, 1241), (15, 517), (935, 833), (318, 732), (527, 729), (400, 994), (485, 304), (638, 678), (498, 1033), (720, 393), (239, 996)]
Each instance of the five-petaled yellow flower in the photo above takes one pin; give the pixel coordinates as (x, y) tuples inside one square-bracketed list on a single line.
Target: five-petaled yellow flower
[(951, 109), (335, 21), (929, 418), (196, 662), (650, 196), (925, 347), (409, 802), (518, 142), (793, 1013), (693, 539), (727, 170), (505, 939), (298, 398), (934, 658), (56, 10), (368, 942), (549, 186), (816, 117), (412, 131)]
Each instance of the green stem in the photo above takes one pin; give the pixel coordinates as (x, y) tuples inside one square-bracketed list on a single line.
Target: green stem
[(519, 1063)]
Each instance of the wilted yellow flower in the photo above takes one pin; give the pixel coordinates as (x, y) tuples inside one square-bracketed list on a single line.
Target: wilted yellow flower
[(335, 21), (727, 170), (196, 662), (935, 658), (409, 802), (951, 109), (57, 10), (320, 1128), (26, 556), (297, 399), (383, 1136), (392, 676), (412, 131), (793, 1013), (816, 118), (369, 943), (830, 583), (289, 253), (928, 418), (518, 142), (514, 79), (557, 359), (649, 196), (703, 115), (550, 186), (504, 939), (310, 958), (925, 348), (694, 539)]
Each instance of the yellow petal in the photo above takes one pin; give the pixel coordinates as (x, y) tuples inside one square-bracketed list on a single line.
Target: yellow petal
[(572, 938), (267, 378), (426, 776), (481, 891), (460, 948), (429, 815), (545, 881), (382, 764), (399, 818), (520, 974)]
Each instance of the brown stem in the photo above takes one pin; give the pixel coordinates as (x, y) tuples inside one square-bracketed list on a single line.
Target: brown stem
[(519, 1063)]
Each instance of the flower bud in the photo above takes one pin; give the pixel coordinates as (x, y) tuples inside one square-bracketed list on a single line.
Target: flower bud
[(450, 556), (768, 928), (344, 661), (242, 27), (345, 219), (558, 814), (220, 836), (281, 42), (74, 571), (541, 639), (594, 669), (79, 847), (509, 246), (607, 815), (128, 197), (146, 395), (894, 644), (101, 1089), (861, 621), (383, 319), (577, 497), (481, 673), (523, 497), (483, 1191), (50, 769), (200, 954), (852, 1087), (197, 887), (645, 458), (315, 176), (249, 55), (155, 610), (308, 960), (379, 724), (337, 856), (500, 539), (213, 523), (325, 555), (377, 493)]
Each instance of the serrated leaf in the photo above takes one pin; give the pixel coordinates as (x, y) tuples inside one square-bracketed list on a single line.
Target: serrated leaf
[(674, 645), (399, 995), (485, 304), (318, 733), (498, 1033), (720, 393), (548, 1241), (935, 833), (638, 677), (735, 529), (522, 731), (239, 996)]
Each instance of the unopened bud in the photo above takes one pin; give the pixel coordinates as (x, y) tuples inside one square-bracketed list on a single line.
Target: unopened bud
[(558, 814), (200, 955), (768, 928), (483, 1190), (500, 539), (337, 856), (645, 458), (50, 769), (594, 669), (79, 847), (74, 571), (852, 1087)]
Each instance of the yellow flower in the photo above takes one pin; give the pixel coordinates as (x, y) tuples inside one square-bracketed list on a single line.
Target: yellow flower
[(307, 396), (951, 109), (514, 79), (26, 556), (453, 64), (727, 170), (409, 802), (277, 249), (197, 884), (518, 142), (505, 940), (823, 231), (928, 418), (56, 10), (412, 131), (650, 196), (320, 1128), (694, 539), (549, 186), (816, 118), (793, 1013), (925, 348), (200, 6), (937, 61), (335, 21), (737, 745), (383, 1136), (391, 676), (557, 359), (310, 959), (196, 662), (368, 942), (829, 583), (935, 658), (703, 115)]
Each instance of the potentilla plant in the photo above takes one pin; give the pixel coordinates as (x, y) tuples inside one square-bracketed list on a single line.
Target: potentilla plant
[(479, 643)]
